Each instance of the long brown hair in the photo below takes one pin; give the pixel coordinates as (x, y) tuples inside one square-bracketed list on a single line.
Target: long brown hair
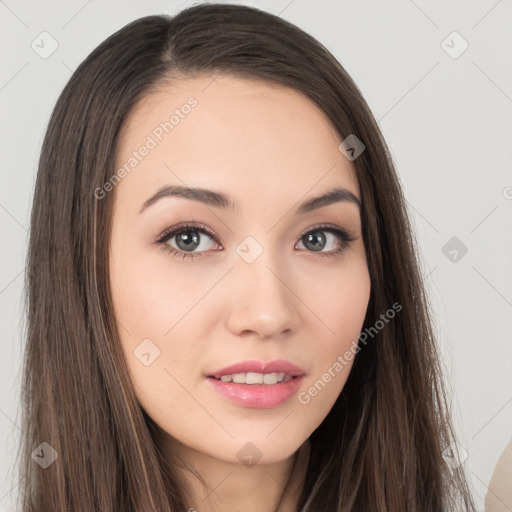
[(381, 446)]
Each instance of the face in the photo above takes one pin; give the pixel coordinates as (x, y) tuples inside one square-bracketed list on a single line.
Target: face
[(251, 273)]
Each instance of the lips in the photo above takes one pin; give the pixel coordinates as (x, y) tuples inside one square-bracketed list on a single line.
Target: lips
[(254, 366), (281, 380)]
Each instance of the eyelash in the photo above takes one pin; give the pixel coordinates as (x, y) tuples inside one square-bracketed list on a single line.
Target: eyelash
[(345, 236)]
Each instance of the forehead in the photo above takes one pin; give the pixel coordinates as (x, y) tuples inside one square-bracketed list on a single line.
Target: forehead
[(250, 137)]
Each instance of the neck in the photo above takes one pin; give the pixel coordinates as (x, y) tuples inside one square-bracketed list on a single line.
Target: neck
[(231, 487)]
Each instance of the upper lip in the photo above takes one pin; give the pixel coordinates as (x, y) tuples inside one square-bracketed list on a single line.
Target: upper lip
[(276, 366)]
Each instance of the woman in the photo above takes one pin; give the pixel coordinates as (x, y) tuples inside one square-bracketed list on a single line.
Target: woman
[(277, 353)]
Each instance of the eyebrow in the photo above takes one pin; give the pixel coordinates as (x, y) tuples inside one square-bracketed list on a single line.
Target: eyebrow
[(221, 200)]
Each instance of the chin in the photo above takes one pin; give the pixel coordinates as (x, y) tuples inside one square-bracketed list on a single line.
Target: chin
[(263, 451)]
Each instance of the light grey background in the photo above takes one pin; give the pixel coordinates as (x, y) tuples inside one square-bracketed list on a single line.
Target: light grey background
[(447, 121)]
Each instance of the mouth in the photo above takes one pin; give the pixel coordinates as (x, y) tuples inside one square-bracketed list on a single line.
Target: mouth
[(258, 372), (253, 378), (256, 384)]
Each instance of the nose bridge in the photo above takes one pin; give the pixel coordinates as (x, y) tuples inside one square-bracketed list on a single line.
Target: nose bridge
[(263, 301)]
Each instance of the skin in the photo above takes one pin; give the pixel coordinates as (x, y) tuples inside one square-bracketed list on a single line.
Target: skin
[(270, 149)]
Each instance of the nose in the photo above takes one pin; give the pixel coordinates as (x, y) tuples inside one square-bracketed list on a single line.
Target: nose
[(262, 300)]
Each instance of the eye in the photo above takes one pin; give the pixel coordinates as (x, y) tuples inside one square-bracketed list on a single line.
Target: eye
[(316, 240), (193, 239), (188, 238)]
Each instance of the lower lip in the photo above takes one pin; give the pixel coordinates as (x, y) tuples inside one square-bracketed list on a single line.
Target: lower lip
[(257, 396)]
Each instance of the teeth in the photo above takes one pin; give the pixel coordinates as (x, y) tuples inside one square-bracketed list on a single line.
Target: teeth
[(256, 378), (253, 378), (270, 378)]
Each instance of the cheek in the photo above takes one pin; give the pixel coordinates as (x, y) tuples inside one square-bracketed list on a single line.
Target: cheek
[(150, 292), (340, 300), (148, 307), (342, 306), (161, 310)]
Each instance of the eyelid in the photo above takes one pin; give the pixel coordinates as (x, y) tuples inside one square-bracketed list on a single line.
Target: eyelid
[(185, 225), (349, 235)]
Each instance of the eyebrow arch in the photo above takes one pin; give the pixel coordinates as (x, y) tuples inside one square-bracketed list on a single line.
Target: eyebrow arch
[(335, 195), (220, 200)]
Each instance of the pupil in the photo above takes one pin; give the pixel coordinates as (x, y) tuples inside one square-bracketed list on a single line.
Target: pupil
[(317, 240), (191, 241)]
